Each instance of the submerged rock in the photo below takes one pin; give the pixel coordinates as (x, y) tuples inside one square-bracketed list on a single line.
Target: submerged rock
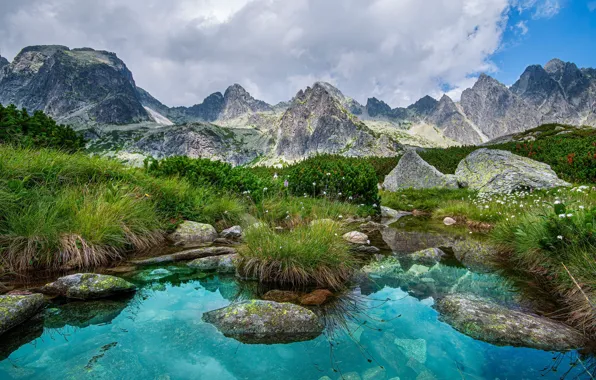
[(413, 348), (234, 232), (356, 237), (412, 172), (496, 324), (16, 309), (84, 314), (368, 249), (220, 264), (265, 322), (88, 286), (153, 275), (499, 171), (188, 255), (282, 296), (316, 298), (191, 234), (385, 267), (389, 213)]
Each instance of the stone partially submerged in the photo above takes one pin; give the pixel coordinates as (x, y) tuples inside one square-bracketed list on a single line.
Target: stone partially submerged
[(16, 309), (85, 286), (191, 254), (499, 171), (498, 325), (265, 322), (412, 172), (220, 264), (193, 234)]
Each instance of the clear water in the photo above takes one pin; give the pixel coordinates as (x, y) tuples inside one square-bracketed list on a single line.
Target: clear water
[(380, 330)]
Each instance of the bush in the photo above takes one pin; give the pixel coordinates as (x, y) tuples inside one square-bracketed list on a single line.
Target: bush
[(19, 128), (336, 177), (204, 172), (310, 255)]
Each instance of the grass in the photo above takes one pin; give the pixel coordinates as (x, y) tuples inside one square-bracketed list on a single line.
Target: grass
[(309, 255), (423, 200), (71, 210)]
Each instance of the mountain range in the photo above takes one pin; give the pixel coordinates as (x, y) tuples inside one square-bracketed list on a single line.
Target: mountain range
[(94, 91)]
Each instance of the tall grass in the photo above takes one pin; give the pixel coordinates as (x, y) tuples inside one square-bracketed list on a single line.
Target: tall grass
[(309, 255)]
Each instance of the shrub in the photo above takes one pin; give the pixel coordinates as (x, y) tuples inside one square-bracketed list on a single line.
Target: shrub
[(310, 255), (337, 177), (17, 127)]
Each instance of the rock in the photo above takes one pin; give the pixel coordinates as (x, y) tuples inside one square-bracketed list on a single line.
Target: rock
[(189, 234), (386, 267), (282, 296), (153, 275), (389, 213), (413, 348), (316, 298), (368, 249), (220, 264), (265, 322), (84, 313), (499, 171), (234, 232), (122, 269), (498, 325), (412, 172), (223, 241), (356, 237), (188, 255), (370, 227), (88, 286), (16, 309), (449, 221), (427, 256), (376, 373), (20, 335), (350, 376)]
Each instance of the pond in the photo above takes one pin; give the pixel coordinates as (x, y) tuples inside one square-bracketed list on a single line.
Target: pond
[(380, 329)]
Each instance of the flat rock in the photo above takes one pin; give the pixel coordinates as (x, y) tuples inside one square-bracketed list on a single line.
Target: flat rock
[(282, 296), (188, 255), (88, 286), (412, 172), (316, 298), (16, 309), (499, 171), (192, 234), (265, 322), (498, 325), (122, 269), (220, 264), (356, 237), (234, 232), (448, 221)]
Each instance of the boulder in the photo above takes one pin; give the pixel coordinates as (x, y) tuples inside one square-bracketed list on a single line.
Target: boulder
[(189, 234), (316, 297), (232, 233), (88, 286), (153, 275), (188, 255), (265, 322), (389, 213), (356, 237), (499, 171), (412, 172), (448, 221), (16, 309), (501, 326), (428, 256), (220, 264)]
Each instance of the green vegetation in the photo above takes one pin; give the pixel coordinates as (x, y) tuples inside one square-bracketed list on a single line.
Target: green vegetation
[(571, 152), (423, 200), (309, 255), (555, 245), (17, 127)]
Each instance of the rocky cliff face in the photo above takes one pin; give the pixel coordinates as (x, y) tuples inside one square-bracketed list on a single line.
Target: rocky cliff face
[(454, 124), (79, 86), (3, 62), (317, 122)]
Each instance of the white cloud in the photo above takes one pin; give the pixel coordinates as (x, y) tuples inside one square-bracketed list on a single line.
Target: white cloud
[(540, 8), (183, 50), (522, 26)]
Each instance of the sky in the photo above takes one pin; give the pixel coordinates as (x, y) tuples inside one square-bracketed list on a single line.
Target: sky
[(396, 50)]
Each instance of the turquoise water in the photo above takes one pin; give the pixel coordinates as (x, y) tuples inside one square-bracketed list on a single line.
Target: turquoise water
[(159, 334)]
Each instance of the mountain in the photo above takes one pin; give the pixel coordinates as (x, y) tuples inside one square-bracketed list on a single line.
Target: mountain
[(79, 86), (94, 91)]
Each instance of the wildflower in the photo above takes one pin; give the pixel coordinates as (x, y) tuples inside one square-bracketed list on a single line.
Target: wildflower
[(275, 176), (324, 193), (314, 184), (569, 215), (561, 216), (339, 194), (350, 197), (560, 237), (581, 207), (266, 211), (265, 189), (368, 242), (340, 216), (328, 173), (286, 183), (557, 202)]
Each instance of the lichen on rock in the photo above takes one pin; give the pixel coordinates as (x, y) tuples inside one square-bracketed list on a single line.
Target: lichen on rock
[(88, 286), (412, 172), (16, 309)]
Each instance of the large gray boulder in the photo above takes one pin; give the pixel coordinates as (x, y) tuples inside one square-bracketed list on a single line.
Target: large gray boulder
[(16, 309), (412, 172), (85, 286), (265, 322), (496, 324), (192, 234), (220, 264), (499, 171)]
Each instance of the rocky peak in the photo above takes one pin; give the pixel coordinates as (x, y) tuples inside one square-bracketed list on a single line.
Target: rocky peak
[(237, 102), (376, 107), (535, 85), (3, 62), (346, 102), (554, 66), (425, 105)]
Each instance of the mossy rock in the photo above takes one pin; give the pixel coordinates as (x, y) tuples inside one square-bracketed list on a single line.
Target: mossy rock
[(192, 234), (265, 322), (16, 309), (88, 286)]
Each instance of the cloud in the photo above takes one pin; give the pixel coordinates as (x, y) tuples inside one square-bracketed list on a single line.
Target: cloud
[(540, 8), (522, 26), (183, 50)]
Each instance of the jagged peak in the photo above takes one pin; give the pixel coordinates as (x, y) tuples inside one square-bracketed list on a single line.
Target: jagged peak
[(424, 105), (446, 99), (554, 65), (235, 89)]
